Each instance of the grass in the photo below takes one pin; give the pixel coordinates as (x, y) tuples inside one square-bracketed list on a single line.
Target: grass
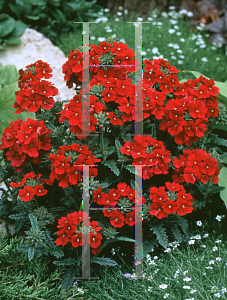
[(192, 270)]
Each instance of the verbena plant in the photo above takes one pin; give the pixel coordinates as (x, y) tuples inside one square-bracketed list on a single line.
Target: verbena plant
[(43, 157)]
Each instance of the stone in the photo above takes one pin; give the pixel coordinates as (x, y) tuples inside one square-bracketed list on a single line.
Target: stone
[(35, 46)]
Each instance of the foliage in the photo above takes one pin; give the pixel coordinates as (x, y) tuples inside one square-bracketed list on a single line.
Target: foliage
[(10, 31), (8, 87), (51, 17)]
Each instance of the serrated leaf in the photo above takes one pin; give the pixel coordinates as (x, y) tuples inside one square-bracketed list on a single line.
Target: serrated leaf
[(112, 165), (68, 279), (132, 169), (104, 261), (57, 252), (161, 234), (118, 145), (65, 262), (221, 85), (183, 223), (223, 182), (31, 253), (18, 216), (34, 221), (176, 232)]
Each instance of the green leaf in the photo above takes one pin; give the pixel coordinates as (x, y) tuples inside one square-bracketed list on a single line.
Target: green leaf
[(32, 17), (176, 232), (34, 222), (18, 216), (65, 262), (221, 85), (132, 169), (118, 145), (2, 2), (219, 126), (19, 28), (104, 261), (112, 165), (161, 234), (223, 182), (68, 279), (6, 26), (8, 75), (12, 40), (31, 253), (183, 223)]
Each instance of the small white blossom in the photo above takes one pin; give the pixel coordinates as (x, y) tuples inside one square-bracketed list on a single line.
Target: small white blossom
[(182, 40), (163, 286), (199, 223), (211, 262), (218, 258), (185, 272), (218, 295), (186, 287), (187, 279), (191, 242), (189, 14), (171, 31), (204, 59), (215, 248), (119, 13), (193, 291), (166, 295)]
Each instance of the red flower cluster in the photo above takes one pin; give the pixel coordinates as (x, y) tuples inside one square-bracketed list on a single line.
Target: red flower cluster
[(186, 116), (32, 185), (117, 218), (195, 165), (34, 92), (162, 205), (146, 150), (72, 112), (64, 164), (117, 86), (70, 231), (25, 141)]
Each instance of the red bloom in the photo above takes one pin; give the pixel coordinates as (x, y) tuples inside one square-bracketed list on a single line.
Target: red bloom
[(27, 193)]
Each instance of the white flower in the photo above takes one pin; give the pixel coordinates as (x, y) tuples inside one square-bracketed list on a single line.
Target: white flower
[(155, 257), (197, 237), (204, 59), (206, 235), (180, 62), (171, 31), (176, 27), (106, 9), (211, 262), (163, 286), (109, 30), (171, 7), (187, 279), (218, 258), (80, 290), (103, 19), (173, 22), (101, 39), (119, 13), (191, 242), (179, 33), (164, 14), (125, 11), (218, 241), (150, 19), (217, 58), (215, 248), (155, 50), (186, 287), (182, 11), (193, 291), (182, 56), (218, 295), (117, 19), (182, 40), (185, 272), (143, 53), (179, 51), (199, 223), (159, 23), (166, 295), (93, 38), (189, 14), (140, 19), (120, 7)]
